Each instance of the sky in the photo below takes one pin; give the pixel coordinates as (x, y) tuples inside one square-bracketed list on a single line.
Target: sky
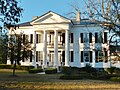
[(39, 7)]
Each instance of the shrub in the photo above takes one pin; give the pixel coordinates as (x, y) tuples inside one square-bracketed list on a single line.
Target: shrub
[(5, 66), (110, 70), (115, 79), (70, 70), (51, 70), (35, 70), (19, 67)]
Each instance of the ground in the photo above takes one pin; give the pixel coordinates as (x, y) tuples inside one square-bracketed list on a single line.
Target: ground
[(26, 81)]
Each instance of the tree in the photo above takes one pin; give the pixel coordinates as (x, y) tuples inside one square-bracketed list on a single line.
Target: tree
[(107, 14), (10, 14), (19, 49)]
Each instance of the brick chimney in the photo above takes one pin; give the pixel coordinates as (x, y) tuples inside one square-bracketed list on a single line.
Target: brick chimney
[(78, 17)]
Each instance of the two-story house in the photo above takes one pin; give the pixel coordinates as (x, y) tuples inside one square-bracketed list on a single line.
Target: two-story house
[(59, 41)]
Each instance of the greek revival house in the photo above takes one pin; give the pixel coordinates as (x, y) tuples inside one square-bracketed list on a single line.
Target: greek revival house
[(59, 41)]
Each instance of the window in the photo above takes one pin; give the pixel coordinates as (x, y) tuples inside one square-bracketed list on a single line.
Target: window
[(99, 56), (90, 37), (81, 56), (38, 38), (71, 56), (105, 37), (71, 38), (81, 35), (39, 56)]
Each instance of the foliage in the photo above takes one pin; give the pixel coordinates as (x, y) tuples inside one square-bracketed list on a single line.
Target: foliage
[(36, 70), (110, 70), (107, 14), (10, 12), (5, 66), (117, 79), (51, 70)]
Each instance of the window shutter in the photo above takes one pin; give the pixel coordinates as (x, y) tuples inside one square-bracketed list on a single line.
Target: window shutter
[(81, 35), (96, 56), (105, 37), (72, 56), (96, 37), (23, 38), (31, 38), (90, 56), (90, 37), (36, 38), (36, 56), (71, 37), (81, 56), (30, 56)]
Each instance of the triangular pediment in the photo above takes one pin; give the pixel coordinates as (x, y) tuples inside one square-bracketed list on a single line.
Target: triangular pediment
[(50, 18)]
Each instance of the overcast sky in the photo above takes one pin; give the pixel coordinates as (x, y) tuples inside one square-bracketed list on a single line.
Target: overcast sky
[(39, 7)]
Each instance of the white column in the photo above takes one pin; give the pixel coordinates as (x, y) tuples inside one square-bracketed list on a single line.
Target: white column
[(45, 49), (34, 62), (67, 45), (93, 58), (56, 48), (93, 54)]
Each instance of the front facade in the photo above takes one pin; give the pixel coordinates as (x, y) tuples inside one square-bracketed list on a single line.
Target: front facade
[(59, 41)]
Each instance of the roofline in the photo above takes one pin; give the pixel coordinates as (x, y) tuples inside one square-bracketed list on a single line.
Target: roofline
[(49, 12)]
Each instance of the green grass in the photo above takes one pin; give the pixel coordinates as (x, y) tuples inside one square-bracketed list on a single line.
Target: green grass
[(26, 81)]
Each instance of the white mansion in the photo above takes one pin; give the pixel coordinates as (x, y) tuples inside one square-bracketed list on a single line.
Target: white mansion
[(59, 41)]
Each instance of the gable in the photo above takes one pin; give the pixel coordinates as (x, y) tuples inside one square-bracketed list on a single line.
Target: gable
[(50, 18)]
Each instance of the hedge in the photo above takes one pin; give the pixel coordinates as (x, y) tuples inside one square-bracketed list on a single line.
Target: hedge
[(35, 70), (51, 70), (117, 79), (19, 67)]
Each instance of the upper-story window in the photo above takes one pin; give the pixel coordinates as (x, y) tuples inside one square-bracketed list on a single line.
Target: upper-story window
[(38, 38), (98, 38)]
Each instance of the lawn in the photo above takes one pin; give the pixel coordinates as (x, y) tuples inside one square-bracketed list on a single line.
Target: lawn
[(26, 81)]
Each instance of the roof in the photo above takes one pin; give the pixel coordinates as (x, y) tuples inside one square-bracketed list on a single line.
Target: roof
[(24, 24)]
